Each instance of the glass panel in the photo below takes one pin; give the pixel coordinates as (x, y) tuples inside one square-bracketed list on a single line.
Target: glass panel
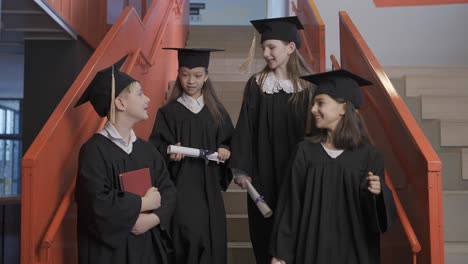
[(10, 147)]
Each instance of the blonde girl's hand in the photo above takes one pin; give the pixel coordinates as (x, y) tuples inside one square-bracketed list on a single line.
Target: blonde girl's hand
[(242, 181), (277, 261), (223, 154), (374, 186), (176, 157)]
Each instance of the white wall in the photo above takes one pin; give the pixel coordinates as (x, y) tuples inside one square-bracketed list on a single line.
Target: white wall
[(230, 12), (403, 36), (11, 75)]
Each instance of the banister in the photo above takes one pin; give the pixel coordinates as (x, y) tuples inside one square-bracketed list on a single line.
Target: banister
[(412, 162), (409, 231), (304, 38), (334, 61), (313, 34), (65, 204), (159, 36)]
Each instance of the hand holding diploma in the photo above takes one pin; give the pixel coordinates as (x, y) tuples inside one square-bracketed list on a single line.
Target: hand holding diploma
[(193, 152), (261, 204)]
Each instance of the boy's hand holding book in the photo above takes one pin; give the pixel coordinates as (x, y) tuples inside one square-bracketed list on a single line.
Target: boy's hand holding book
[(151, 200)]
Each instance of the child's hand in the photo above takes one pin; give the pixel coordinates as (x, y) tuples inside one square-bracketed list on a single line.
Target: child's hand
[(374, 185), (223, 154), (144, 223), (176, 157), (277, 261), (242, 181), (151, 200)]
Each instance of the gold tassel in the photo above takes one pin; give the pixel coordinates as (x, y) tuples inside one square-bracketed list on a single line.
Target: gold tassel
[(250, 57), (112, 107)]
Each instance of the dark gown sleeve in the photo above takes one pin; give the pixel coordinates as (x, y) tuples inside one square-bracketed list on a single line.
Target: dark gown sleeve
[(110, 213), (289, 210), (223, 140), (167, 190), (243, 139), (161, 136), (379, 210)]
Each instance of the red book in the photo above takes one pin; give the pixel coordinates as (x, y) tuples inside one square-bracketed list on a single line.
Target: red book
[(137, 181)]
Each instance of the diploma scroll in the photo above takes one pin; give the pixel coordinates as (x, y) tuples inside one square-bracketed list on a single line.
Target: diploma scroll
[(261, 204), (194, 152)]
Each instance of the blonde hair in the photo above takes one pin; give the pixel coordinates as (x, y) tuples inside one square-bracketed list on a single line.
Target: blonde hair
[(128, 89), (295, 67)]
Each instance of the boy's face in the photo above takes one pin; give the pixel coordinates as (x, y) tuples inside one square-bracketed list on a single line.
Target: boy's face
[(192, 80), (134, 102)]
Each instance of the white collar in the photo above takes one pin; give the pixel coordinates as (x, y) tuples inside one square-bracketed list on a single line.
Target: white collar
[(272, 85), (192, 104), (110, 132)]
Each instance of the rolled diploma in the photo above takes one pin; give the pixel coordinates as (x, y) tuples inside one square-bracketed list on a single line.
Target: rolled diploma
[(262, 206), (191, 152)]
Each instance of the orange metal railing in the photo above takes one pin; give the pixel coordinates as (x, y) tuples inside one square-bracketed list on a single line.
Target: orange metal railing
[(313, 35), (411, 162)]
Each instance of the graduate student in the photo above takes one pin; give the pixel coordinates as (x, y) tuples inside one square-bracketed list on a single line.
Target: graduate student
[(271, 122), (115, 226), (335, 203), (194, 117)]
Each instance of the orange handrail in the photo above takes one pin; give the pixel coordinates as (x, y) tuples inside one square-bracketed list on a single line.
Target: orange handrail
[(313, 35), (335, 64), (46, 164), (410, 159), (409, 231)]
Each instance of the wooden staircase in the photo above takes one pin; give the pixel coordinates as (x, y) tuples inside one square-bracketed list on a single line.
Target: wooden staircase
[(437, 98)]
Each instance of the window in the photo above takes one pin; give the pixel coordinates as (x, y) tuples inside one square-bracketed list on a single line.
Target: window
[(10, 147)]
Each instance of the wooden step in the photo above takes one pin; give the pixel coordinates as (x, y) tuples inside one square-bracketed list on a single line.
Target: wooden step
[(464, 159), (240, 253), (237, 228), (235, 201), (453, 134), (445, 108), (455, 205), (402, 71), (452, 179), (437, 84), (456, 252)]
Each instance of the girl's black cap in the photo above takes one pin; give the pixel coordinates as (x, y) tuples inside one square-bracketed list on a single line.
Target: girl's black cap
[(339, 84), (281, 28), (194, 57)]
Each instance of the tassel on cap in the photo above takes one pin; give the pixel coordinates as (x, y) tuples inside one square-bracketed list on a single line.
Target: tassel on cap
[(250, 56), (112, 105)]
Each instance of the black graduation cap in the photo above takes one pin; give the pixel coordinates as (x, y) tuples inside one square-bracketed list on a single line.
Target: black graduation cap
[(339, 84), (99, 92), (194, 57), (281, 28)]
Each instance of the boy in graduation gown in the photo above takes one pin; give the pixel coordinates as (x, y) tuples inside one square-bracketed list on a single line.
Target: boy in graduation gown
[(115, 226), (335, 203)]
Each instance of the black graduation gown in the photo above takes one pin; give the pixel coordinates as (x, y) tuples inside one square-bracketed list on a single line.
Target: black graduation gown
[(326, 214), (267, 131), (106, 215), (199, 223)]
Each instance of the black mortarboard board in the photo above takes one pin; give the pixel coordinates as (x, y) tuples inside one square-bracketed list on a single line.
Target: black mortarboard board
[(281, 28), (339, 84), (99, 92), (195, 57)]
